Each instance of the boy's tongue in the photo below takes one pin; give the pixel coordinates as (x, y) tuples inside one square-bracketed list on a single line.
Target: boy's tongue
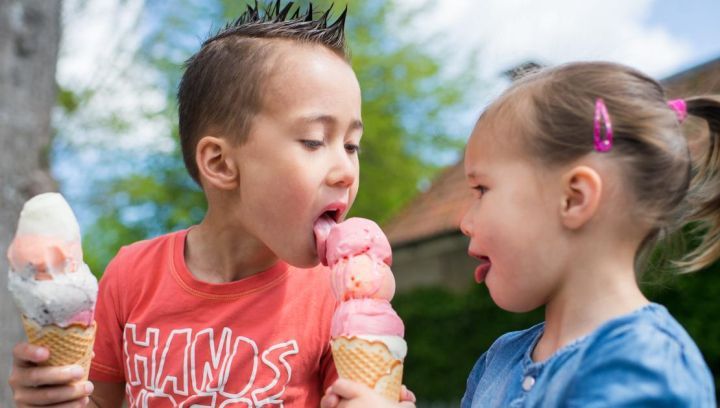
[(322, 228)]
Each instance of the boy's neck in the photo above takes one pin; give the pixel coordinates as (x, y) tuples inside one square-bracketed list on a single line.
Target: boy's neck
[(600, 285), (216, 252)]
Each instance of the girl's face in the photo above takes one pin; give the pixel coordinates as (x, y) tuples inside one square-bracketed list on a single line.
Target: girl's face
[(513, 222)]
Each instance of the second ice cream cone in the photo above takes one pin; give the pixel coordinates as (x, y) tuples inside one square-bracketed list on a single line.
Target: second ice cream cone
[(70, 345), (370, 363)]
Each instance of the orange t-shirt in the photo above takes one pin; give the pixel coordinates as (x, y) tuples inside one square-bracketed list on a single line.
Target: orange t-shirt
[(177, 341)]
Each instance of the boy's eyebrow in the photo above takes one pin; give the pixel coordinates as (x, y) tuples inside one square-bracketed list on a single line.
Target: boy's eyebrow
[(331, 120)]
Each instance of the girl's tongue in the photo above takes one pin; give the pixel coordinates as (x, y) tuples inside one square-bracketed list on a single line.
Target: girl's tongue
[(482, 270), (322, 229)]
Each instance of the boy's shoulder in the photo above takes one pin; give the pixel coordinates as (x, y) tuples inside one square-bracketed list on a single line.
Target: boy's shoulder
[(156, 251), (159, 243)]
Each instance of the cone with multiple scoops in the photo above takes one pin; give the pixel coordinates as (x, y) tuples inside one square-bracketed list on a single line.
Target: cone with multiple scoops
[(50, 283), (367, 334)]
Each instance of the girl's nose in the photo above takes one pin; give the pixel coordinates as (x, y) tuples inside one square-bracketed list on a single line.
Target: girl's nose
[(466, 225)]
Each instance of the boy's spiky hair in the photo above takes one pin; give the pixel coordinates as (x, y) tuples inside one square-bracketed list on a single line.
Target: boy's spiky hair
[(276, 21), (220, 91)]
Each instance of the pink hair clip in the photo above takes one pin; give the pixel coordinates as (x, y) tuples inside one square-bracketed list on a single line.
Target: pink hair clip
[(680, 108), (601, 113)]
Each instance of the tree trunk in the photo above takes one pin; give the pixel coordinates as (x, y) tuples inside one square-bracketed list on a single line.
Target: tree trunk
[(29, 39)]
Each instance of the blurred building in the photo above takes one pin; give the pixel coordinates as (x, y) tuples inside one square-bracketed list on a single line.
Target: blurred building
[(428, 248)]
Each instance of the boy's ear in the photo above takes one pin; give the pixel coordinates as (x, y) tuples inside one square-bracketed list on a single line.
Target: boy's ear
[(582, 189), (215, 163)]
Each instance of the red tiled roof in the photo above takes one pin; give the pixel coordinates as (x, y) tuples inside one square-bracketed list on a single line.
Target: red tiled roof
[(440, 209), (437, 210)]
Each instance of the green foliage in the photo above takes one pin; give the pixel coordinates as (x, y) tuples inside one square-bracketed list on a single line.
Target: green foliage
[(67, 100), (407, 102)]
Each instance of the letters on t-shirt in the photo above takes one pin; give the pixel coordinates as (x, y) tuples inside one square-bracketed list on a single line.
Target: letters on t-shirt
[(204, 368)]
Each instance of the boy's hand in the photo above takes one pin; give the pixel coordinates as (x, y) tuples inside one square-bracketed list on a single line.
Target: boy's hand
[(349, 394), (33, 385)]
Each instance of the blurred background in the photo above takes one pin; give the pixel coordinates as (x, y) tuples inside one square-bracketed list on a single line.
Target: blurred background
[(87, 107)]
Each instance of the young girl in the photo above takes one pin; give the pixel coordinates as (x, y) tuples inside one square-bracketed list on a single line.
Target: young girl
[(578, 171)]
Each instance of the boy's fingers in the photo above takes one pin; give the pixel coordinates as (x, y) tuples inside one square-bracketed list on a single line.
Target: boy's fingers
[(40, 376), (81, 403), (26, 353), (70, 395), (349, 389)]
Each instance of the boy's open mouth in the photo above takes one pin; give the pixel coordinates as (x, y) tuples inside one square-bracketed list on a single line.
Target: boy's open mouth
[(334, 215), (322, 228)]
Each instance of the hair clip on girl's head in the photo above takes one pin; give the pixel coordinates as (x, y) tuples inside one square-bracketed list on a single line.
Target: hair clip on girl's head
[(602, 119)]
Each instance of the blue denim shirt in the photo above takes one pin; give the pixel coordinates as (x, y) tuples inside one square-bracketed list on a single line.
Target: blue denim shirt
[(642, 359)]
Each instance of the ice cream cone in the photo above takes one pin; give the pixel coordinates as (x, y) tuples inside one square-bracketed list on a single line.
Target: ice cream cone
[(370, 363), (69, 345)]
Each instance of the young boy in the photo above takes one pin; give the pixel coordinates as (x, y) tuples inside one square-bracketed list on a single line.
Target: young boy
[(233, 310)]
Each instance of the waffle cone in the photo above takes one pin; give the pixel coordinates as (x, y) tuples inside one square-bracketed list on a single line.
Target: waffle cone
[(370, 363), (67, 345)]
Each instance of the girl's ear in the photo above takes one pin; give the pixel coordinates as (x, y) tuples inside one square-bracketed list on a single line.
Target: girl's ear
[(216, 166), (582, 189)]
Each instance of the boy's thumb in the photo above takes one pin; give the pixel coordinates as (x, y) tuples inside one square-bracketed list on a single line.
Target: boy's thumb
[(349, 389)]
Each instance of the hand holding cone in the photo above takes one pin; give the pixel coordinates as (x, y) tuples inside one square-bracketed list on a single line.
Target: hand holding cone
[(50, 283)]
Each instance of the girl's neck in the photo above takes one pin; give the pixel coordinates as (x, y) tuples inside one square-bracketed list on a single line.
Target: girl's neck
[(595, 289)]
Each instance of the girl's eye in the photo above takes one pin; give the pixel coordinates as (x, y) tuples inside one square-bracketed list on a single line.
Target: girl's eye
[(312, 144), (352, 148), (480, 190)]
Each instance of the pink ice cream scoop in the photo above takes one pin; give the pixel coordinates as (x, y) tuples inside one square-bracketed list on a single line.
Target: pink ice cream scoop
[(367, 317), (362, 276), (357, 236), (360, 256)]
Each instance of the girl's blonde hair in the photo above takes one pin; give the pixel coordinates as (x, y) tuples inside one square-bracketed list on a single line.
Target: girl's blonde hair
[(554, 110)]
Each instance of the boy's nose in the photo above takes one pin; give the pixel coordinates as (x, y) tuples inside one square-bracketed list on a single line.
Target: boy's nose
[(343, 173)]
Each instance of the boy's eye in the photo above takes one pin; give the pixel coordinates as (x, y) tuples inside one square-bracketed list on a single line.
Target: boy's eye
[(352, 148), (312, 144)]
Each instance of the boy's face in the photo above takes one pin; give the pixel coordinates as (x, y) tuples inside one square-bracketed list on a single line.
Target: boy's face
[(300, 160)]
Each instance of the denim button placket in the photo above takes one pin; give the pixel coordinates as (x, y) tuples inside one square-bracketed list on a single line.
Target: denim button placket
[(528, 383)]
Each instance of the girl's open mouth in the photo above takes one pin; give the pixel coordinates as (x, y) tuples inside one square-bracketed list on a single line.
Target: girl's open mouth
[(482, 270)]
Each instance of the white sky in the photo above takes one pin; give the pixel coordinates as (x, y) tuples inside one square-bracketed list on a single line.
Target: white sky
[(504, 33), (100, 38), (96, 53)]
